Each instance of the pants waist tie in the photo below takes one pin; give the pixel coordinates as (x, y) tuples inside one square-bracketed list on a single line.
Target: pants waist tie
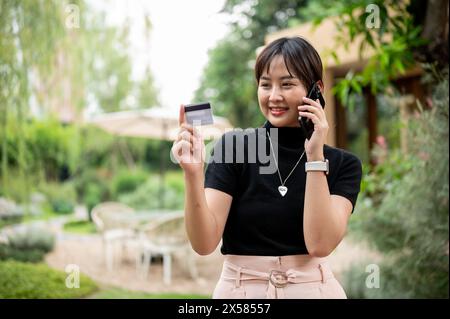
[(278, 279)]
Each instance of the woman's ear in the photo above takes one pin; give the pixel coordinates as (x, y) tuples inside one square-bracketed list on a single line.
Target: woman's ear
[(321, 86)]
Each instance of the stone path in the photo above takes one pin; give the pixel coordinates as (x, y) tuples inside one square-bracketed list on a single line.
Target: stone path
[(87, 253)]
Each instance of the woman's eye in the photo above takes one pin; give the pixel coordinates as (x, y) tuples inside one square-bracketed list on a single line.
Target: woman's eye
[(264, 85), (288, 84)]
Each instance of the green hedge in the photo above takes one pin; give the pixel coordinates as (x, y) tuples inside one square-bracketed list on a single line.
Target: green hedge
[(38, 281), (50, 146), (27, 245), (26, 255), (127, 181), (403, 210), (61, 196), (147, 196), (92, 187)]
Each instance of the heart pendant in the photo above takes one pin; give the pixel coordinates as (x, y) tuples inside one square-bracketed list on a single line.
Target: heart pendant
[(283, 190)]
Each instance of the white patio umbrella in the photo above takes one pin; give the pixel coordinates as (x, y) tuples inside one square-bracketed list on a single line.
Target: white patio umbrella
[(154, 123)]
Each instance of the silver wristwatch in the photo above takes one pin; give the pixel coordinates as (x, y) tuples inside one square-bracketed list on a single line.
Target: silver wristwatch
[(321, 166)]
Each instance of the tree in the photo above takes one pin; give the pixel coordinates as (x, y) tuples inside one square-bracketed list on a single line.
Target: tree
[(402, 34), (110, 65), (228, 79), (52, 61), (229, 83), (147, 94), (30, 31)]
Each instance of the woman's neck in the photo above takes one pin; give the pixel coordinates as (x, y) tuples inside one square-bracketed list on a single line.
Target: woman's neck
[(291, 137)]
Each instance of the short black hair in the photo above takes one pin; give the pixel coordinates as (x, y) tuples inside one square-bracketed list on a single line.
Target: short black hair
[(300, 57)]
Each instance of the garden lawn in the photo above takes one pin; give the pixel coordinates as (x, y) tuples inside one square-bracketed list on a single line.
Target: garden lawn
[(38, 281), (117, 293), (80, 227)]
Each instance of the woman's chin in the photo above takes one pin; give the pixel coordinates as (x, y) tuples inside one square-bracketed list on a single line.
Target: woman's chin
[(280, 121)]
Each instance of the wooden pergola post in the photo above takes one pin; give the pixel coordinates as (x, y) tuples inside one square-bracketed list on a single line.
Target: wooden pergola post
[(371, 121)]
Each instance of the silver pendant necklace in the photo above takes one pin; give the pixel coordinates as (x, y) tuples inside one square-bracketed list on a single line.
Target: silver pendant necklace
[(283, 189)]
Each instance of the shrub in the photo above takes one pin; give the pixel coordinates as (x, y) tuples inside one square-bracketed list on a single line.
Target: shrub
[(92, 187), (51, 146), (25, 255), (102, 149), (32, 281), (355, 286), (61, 196), (32, 237), (148, 196), (29, 245), (375, 185), (96, 147), (410, 224), (127, 181), (175, 180), (10, 213), (19, 189), (93, 196), (62, 206)]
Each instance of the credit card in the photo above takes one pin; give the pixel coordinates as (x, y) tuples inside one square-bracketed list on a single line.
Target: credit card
[(198, 114)]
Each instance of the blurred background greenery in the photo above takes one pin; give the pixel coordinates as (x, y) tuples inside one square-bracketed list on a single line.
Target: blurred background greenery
[(52, 163)]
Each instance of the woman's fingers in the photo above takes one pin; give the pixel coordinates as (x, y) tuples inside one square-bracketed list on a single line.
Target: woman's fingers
[(183, 150), (314, 111), (308, 108), (314, 108), (188, 149), (188, 146), (186, 133), (311, 102), (180, 148), (188, 127), (314, 118), (181, 116)]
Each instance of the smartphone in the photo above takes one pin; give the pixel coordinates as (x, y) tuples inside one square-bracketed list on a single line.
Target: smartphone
[(305, 123)]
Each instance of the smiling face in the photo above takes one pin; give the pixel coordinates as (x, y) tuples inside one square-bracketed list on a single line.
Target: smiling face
[(279, 94)]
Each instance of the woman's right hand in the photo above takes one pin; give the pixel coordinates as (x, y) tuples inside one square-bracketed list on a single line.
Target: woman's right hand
[(189, 147)]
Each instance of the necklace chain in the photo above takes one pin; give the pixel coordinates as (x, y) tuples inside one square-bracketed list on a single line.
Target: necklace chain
[(276, 163)]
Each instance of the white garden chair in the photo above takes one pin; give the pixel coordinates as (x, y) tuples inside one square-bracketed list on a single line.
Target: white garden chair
[(167, 237), (114, 232)]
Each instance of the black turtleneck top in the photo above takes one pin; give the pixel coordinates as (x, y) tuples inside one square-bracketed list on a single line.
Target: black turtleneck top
[(262, 222)]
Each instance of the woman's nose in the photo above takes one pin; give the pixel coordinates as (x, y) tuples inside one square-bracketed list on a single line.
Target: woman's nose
[(275, 95)]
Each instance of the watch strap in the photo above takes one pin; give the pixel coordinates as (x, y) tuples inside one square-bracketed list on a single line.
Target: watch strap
[(321, 166)]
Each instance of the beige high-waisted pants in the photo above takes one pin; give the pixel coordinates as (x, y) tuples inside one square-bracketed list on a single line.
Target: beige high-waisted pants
[(261, 277)]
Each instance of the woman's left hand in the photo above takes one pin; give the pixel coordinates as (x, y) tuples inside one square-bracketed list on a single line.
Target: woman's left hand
[(314, 111)]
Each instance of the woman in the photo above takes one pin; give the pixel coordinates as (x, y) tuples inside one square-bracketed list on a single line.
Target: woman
[(276, 228)]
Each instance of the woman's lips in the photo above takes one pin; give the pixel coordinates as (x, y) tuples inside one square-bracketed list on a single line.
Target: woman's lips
[(277, 111)]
